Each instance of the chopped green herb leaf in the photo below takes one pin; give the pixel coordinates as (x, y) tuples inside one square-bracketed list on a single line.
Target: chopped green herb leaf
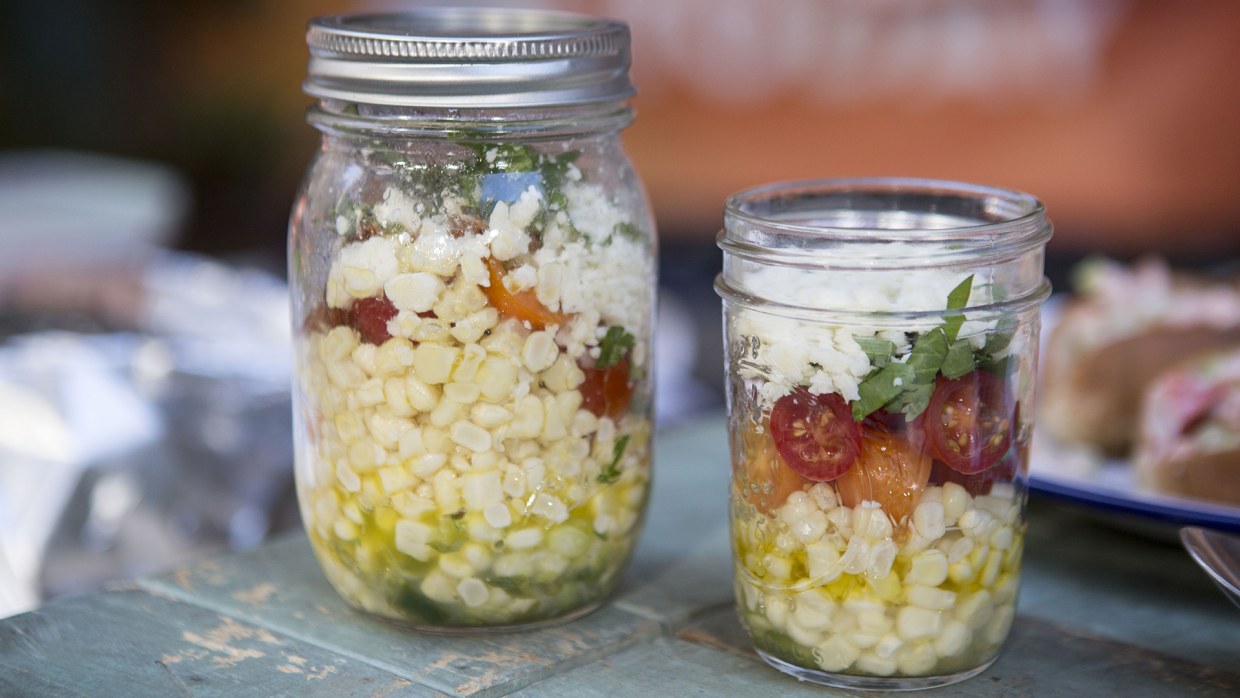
[(878, 349), (957, 299), (880, 388), (416, 604), (612, 473), (928, 354), (959, 359), (627, 230), (616, 343)]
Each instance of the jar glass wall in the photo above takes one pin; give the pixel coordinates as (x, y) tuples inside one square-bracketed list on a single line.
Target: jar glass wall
[(881, 341), (473, 293)]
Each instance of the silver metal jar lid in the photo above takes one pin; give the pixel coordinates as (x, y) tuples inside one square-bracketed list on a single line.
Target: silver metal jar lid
[(468, 57)]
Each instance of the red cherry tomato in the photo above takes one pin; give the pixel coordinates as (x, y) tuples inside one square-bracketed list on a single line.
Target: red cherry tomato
[(891, 471), (815, 434), (607, 392), (370, 316), (969, 421), (981, 483)]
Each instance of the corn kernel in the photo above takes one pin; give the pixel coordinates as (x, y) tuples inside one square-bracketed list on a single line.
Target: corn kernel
[(433, 363), (956, 501), (446, 413), (539, 351), (498, 515), (416, 292), (524, 538), (463, 393), (396, 398), (370, 392), (952, 638), (455, 565), (497, 378), (439, 587), (472, 591), (410, 444), (489, 416), (394, 478), (928, 519), (393, 357), (836, 653), (871, 663), (913, 622), (471, 436), (466, 371), (422, 396), (363, 356), (928, 568), (481, 490), (917, 658), (474, 326)]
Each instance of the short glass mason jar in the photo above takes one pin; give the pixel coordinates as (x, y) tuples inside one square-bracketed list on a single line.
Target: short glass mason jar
[(881, 341), (472, 265)]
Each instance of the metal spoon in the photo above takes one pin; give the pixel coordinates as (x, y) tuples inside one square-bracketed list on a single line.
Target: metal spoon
[(1218, 554)]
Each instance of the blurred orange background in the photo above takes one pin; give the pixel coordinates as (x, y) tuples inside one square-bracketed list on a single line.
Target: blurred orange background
[(1121, 114)]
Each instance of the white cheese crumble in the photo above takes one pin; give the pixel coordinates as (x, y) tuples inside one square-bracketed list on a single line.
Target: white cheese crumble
[(826, 357)]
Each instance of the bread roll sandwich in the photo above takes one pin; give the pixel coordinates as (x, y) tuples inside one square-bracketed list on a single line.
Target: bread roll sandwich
[(1124, 327), (1189, 443)]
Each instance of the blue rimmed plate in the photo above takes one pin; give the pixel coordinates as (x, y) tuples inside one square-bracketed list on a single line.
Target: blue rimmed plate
[(1108, 487)]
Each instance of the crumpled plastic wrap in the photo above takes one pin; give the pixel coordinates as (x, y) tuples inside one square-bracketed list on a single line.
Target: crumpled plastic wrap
[(133, 440)]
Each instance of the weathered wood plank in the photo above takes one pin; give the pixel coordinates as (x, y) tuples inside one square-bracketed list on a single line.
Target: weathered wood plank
[(132, 642), (1040, 659), (683, 562), (1124, 586), (674, 592), (671, 667), (280, 588)]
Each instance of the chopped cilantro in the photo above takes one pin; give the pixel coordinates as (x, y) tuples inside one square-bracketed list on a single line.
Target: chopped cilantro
[(612, 473), (906, 387), (616, 343)]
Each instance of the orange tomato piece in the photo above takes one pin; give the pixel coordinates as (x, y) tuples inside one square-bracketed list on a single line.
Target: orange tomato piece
[(890, 471), (761, 475), (523, 306), (607, 392)]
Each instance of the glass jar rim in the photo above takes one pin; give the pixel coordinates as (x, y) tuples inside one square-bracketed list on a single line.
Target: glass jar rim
[(870, 223)]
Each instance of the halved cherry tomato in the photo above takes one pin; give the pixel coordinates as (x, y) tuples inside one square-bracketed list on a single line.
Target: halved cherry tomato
[(970, 420), (607, 392), (761, 476), (523, 306), (981, 483), (370, 316), (815, 434), (890, 471)]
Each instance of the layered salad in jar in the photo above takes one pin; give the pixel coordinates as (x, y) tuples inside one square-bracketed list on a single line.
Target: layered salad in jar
[(473, 394), (877, 493)]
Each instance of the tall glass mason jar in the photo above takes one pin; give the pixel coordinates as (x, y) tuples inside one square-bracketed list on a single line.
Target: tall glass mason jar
[(881, 347), (472, 265)]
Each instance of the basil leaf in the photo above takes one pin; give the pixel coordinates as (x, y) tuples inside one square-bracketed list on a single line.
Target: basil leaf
[(612, 473), (1001, 337), (878, 349), (913, 401), (880, 388), (957, 299), (959, 359), (928, 354), (616, 343)]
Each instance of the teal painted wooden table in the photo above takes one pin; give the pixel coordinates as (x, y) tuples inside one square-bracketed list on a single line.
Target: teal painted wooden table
[(1101, 612)]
